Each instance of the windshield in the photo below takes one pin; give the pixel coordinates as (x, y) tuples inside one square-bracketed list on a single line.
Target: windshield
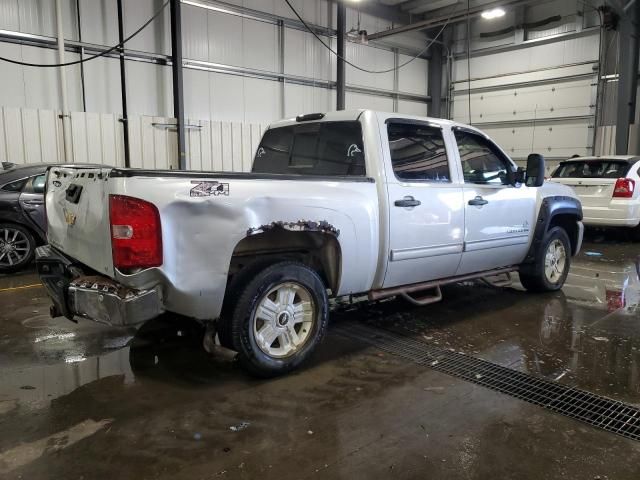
[(592, 169), (320, 148)]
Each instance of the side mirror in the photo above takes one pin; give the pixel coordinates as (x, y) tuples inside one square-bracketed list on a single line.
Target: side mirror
[(535, 170)]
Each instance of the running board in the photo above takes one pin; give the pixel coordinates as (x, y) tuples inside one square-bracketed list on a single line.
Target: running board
[(404, 290), (426, 300)]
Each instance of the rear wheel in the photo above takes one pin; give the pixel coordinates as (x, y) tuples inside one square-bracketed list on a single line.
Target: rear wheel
[(279, 318), (17, 247), (551, 266), (635, 233)]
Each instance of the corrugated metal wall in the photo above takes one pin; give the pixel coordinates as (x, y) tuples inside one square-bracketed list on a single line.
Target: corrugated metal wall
[(35, 136), (225, 39)]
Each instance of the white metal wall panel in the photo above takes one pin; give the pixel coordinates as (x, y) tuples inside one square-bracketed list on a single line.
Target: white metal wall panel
[(157, 36), (260, 45), (99, 21), (539, 56), (305, 56), (151, 143), (360, 100), (262, 100), (304, 99), (373, 59), (319, 12), (149, 89), (97, 138), (224, 38), (39, 17), (102, 85), (197, 100), (412, 78), (222, 146), (12, 93), (412, 108), (195, 34), (227, 97)]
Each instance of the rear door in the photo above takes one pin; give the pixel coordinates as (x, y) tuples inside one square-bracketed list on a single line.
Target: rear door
[(426, 217), (499, 217), (77, 204), (32, 200)]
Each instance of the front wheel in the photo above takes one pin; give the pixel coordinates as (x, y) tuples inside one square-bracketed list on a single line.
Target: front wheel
[(279, 318), (551, 266)]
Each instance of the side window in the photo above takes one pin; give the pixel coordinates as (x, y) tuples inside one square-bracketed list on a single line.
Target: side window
[(418, 152), (15, 186), (482, 162), (35, 184)]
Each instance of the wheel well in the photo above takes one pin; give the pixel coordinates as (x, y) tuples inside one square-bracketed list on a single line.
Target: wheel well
[(318, 250), (569, 223)]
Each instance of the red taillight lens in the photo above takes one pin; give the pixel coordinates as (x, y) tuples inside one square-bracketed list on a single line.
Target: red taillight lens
[(624, 188), (136, 233), (615, 300)]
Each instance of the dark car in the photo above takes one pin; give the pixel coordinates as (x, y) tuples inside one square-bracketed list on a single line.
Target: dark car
[(22, 217)]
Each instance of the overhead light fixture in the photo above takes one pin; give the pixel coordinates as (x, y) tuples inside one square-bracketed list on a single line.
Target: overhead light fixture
[(493, 13)]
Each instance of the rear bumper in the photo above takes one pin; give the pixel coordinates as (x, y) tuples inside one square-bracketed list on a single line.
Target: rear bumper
[(619, 213), (93, 297)]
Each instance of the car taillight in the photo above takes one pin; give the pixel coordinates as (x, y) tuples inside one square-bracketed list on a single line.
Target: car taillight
[(615, 300), (136, 233), (624, 188)]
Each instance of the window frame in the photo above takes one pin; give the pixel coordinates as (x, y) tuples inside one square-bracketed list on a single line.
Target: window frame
[(408, 121), (503, 157), (28, 187), (23, 179)]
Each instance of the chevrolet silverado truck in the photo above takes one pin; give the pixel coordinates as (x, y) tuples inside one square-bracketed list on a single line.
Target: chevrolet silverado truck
[(337, 204)]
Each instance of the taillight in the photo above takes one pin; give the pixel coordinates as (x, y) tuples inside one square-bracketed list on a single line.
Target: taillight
[(136, 233), (624, 188), (615, 300)]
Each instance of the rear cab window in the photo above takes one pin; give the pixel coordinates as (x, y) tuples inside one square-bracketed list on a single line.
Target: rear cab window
[(600, 168), (314, 149)]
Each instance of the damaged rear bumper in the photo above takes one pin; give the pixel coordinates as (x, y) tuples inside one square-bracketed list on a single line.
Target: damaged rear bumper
[(93, 297)]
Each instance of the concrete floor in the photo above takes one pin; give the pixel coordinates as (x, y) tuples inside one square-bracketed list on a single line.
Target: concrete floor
[(86, 401)]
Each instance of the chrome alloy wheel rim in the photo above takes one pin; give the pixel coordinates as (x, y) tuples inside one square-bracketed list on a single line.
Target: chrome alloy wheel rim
[(283, 320), (555, 261), (14, 247)]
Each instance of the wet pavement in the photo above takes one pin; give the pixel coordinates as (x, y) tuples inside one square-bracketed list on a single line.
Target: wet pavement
[(88, 401)]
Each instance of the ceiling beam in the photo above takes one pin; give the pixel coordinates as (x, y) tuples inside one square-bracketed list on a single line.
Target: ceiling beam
[(456, 14), (387, 12)]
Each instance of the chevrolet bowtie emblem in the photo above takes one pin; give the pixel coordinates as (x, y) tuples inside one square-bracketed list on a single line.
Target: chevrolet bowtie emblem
[(69, 217)]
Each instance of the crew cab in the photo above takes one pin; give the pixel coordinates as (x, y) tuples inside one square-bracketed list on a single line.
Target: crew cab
[(337, 204)]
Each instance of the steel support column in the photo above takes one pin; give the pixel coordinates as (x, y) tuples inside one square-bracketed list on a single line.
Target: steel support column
[(340, 65), (628, 80), (178, 90), (434, 82), (123, 88)]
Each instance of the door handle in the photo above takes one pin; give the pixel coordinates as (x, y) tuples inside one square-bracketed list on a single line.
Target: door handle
[(479, 201), (407, 202), (33, 203)]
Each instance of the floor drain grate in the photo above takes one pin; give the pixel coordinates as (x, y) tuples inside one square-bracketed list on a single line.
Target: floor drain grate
[(598, 411)]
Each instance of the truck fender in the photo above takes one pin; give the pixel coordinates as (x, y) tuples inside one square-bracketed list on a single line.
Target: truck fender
[(552, 208)]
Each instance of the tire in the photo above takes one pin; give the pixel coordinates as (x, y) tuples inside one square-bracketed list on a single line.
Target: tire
[(635, 234), (541, 275), (17, 247), (279, 319)]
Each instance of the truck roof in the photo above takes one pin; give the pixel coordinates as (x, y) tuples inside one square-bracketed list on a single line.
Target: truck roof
[(345, 115), (622, 158)]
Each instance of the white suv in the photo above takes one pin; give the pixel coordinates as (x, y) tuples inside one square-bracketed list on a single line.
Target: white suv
[(608, 187)]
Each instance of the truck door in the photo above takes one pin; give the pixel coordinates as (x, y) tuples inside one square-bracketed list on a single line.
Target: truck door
[(426, 211), (499, 217)]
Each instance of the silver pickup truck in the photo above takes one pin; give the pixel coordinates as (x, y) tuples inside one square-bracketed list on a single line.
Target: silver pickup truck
[(337, 204)]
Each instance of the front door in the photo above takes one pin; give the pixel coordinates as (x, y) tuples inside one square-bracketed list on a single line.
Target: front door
[(426, 213), (499, 217)]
